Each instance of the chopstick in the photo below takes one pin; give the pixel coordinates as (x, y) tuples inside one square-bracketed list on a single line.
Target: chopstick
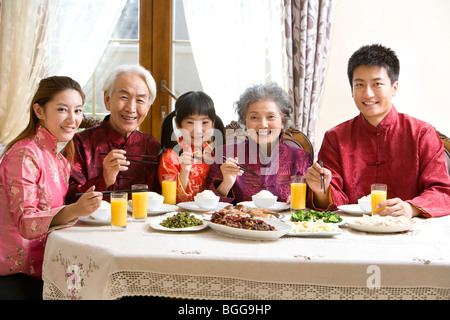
[(244, 169), (134, 155), (112, 191), (138, 155), (322, 179)]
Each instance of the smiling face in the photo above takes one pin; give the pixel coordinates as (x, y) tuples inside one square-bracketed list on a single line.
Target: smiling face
[(373, 92), (62, 115), (197, 129), (264, 121), (128, 104)]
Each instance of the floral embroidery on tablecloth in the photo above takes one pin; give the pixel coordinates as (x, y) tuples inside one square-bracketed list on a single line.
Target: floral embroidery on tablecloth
[(76, 273)]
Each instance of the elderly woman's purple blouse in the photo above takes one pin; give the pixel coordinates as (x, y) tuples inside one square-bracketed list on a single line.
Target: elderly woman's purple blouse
[(274, 172)]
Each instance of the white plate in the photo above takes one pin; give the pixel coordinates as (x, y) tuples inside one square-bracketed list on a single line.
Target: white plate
[(91, 220), (155, 224), (318, 234), (379, 229), (192, 206), (278, 206), (282, 229), (353, 209), (154, 212)]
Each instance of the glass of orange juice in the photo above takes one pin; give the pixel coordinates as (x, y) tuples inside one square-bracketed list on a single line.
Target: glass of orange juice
[(378, 195), (139, 202), (298, 193), (119, 211), (169, 188)]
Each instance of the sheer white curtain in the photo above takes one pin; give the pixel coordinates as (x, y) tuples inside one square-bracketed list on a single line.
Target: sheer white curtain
[(25, 30), (40, 38), (83, 30), (236, 43)]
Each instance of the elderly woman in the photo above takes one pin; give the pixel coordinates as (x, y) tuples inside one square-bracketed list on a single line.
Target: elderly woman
[(263, 111), (102, 153)]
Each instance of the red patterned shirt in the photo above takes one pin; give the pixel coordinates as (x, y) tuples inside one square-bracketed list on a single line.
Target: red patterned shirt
[(88, 163)]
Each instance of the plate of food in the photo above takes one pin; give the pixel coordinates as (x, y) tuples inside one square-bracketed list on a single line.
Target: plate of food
[(242, 210), (246, 227), (314, 215), (178, 221), (381, 224), (312, 228)]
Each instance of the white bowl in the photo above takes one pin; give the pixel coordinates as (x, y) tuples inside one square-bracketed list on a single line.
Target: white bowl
[(264, 202), (365, 204), (154, 204), (206, 203)]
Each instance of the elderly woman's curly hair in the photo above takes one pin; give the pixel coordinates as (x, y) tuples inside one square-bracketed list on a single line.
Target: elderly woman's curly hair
[(271, 91)]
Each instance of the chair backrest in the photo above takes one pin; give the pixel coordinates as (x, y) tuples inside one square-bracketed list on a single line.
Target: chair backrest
[(292, 137), (89, 122), (446, 142)]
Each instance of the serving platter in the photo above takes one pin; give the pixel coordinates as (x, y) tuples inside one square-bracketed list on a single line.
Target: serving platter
[(281, 229)]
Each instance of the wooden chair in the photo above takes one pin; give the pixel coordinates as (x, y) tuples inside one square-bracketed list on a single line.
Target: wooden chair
[(291, 137), (89, 122), (446, 142)]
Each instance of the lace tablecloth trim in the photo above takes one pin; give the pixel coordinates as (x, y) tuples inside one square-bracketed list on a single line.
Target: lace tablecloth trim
[(134, 283)]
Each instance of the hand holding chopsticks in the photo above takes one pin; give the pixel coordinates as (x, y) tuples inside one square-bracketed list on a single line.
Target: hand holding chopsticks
[(139, 156), (322, 179)]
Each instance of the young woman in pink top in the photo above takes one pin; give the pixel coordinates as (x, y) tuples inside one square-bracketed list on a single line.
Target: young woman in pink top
[(34, 178)]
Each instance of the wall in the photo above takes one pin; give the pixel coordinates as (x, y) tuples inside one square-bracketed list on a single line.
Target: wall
[(419, 32)]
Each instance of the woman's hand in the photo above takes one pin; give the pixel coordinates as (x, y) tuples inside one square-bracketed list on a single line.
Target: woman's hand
[(86, 204), (113, 163), (230, 171)]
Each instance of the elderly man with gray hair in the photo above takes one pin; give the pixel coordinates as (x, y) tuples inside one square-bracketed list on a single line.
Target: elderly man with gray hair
[(101, 152)]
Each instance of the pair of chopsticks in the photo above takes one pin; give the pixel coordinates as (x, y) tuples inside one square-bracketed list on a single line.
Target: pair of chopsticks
[(113, 191), (225, 158), (322, 179), (244, 169), (138, 155)]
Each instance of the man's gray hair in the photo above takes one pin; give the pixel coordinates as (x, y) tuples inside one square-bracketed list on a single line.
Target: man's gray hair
[(138, 70)]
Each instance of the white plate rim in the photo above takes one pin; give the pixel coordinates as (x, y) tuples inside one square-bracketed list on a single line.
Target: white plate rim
[(348, 208), (192, 206), (163, 209), (93, 221), (280, 206), (155, 223), (379, 229), (252, 234)]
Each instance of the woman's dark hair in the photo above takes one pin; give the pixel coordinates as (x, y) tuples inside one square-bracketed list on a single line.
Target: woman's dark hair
[(374, 55), (48, 88), (190, 103)]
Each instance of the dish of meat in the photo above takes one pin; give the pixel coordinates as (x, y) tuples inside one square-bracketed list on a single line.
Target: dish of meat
[(242, 210)]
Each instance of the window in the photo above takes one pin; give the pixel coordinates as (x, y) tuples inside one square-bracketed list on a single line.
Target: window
[(123, 48)]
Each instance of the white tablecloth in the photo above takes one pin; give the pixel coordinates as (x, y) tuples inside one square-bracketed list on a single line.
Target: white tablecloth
[(91, 262)]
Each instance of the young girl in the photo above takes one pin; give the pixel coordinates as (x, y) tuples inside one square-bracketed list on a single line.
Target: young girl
[(34, 178), (201, 133)]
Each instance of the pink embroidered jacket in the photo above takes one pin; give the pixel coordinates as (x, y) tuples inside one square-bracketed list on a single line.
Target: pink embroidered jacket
[(34, 178)]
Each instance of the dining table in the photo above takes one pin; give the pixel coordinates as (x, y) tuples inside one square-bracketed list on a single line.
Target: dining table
[(89, 261)]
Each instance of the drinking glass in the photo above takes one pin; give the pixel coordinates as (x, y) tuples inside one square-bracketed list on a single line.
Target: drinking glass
[(169, 188), (378, 195), (119, 211), (139, 202), (298, 193)]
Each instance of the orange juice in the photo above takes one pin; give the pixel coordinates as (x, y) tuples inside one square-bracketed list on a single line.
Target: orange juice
[(169, 191), (118, 212), (378, 196), (139, 205), (298, 195)]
